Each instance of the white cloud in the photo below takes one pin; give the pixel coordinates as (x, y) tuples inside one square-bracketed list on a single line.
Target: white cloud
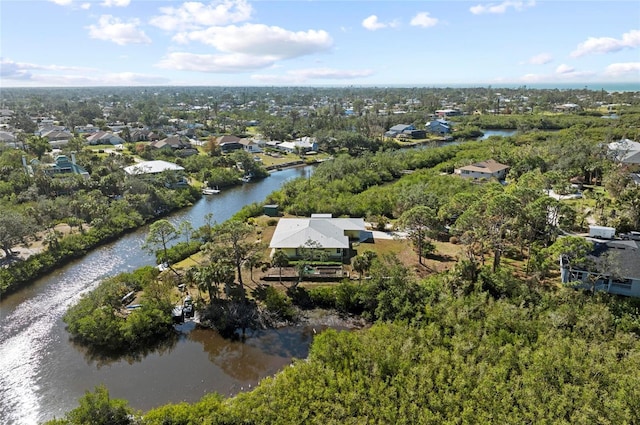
[(607, 44), (563, 73), (500, 8), (62, 2), (301, 76), (133, 79), (330, 73), (116, 3), (621, 69), (183, 61), (15, 71), (423, 19), (9, 68), (85, 6), (261, 40), (193, 15), (372, 24), (564, 69), (20, 74), (541, 59), (113, 29)]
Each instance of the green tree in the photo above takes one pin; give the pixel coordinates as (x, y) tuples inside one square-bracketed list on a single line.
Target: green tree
[(421, 223), (362, 263), (161, 233), (98, 408), (38, 146), (234, 237), (279, 259), (14, 228)]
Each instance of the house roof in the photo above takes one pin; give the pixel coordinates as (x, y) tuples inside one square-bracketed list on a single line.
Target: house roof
[(401, 127), (626, 256), (227, 139), (632, 158), (247, 142), (488, 166), (152, 167), (172, 141), (626, 151), (7, 137), (327, 232)]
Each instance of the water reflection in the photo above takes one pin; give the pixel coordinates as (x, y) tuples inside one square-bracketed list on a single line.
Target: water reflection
[(101, 357), (263, 352), (43, 374)]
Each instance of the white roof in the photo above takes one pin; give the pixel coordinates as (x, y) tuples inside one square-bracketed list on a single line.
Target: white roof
[(625, 145), (152, 167), (327, 232), (625, 150)]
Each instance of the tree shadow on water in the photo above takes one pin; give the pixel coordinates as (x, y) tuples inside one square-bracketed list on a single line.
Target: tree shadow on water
[(103, 356)]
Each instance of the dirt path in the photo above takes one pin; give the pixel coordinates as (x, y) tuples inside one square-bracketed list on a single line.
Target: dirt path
[(34, 245)]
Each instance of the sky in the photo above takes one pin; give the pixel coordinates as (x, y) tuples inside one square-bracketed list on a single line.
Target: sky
[(76, 43)]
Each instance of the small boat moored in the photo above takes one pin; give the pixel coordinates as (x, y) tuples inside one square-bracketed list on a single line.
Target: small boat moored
[(210, 191)]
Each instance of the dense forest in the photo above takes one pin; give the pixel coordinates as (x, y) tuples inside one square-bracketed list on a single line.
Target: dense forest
[(493, 338)]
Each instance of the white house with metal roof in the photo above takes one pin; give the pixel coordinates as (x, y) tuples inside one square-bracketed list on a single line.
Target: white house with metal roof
[(322, 232), (148, 170), (152, 167)]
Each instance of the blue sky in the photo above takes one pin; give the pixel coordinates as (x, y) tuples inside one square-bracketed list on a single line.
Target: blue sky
[(294, 42)]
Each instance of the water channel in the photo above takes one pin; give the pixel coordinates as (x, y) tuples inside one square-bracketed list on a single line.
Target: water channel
[(43, 374), (501, 133)]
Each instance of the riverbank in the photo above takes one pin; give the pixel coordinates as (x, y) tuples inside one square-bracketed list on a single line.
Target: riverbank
[(36, 260)]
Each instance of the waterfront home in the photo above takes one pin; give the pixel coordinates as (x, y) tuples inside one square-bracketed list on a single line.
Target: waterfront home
[(321, 232), (398, 129), (250, 145), (439, 126), (149, 169)]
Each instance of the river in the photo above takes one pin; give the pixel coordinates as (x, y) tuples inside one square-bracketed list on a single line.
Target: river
[(501, 133), (43, 374)]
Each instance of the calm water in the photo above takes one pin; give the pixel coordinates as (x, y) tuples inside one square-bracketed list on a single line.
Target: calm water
[(501, 133), (42, 374)]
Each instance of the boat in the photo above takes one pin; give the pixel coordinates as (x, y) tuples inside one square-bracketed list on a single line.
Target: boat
[(210, 191), (177, 314), (246, 179)]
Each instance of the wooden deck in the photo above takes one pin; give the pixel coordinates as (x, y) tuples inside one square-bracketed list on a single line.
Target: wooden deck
[(317, 273)]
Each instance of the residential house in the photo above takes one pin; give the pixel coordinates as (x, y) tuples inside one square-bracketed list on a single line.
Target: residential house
[(5, 116), (625, 151), (105, 138), (483, 170), (250, 145), (86, 129), (617, 273), (331, 235), (302, 145), (57, 137), (439, 126), (148, 170), (399, 129), (62, 165), (228, 143), (8, 139), (306, 144), (152, 167), (139, 135), (448, 112), (173, 142)]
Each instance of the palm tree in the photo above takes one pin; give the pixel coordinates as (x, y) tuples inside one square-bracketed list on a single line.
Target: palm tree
[(279, 260)]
